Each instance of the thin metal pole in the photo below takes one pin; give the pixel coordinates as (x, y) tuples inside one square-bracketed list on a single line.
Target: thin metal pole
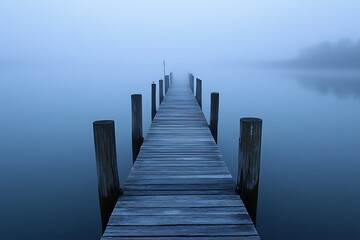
[(164, 68)]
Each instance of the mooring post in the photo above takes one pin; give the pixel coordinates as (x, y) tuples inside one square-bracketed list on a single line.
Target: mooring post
[(214, 115), (199, 92), (107, 171), (191, 82), (161, 91), (166, 83), (171, 78), (137, 132), (249, 163), (153, 100)]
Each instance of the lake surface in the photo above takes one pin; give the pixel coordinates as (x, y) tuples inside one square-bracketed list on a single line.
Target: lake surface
[(310, 165)]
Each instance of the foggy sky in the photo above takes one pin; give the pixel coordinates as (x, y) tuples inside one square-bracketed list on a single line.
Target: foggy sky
[(181, 30)]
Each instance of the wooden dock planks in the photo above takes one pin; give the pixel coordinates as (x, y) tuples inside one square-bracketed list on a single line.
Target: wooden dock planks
[(179, 186)]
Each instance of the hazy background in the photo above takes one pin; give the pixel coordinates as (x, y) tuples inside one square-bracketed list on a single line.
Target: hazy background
[(186, 32), (64, 64)]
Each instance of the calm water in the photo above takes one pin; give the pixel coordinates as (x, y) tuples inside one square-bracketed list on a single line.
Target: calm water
[(309, 185)]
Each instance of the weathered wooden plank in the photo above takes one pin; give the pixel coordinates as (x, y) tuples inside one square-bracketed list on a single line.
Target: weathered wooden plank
[(162, 162), (170, 154), (208, 181), (180, 230), (178, 175), (181, 203), (181, 158), (186, 238), (162, 211), (197, 165), (176, 187), (179, 192), (180, 197), (180, 172), (196, 219)]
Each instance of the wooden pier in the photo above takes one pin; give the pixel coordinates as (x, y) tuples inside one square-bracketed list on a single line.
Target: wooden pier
[(179, 186)]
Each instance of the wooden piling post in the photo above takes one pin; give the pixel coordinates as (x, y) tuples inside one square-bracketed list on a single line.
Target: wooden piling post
[(199, 92), (107, 171), (166, 83), (191, 82), (214, 115), (153, 100), (137, 132), (249, 163), (161, 91), (171, 78)]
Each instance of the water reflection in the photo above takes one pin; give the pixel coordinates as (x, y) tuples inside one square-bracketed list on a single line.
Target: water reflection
[(340, 85)]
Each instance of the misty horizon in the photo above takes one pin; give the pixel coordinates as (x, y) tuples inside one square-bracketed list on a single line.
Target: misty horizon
[(139, 33)]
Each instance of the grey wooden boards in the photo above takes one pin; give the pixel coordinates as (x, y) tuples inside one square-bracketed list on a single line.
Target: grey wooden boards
[(179, 186)]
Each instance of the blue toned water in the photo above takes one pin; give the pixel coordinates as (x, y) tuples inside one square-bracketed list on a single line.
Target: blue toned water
[(310, 168), (310, 156)]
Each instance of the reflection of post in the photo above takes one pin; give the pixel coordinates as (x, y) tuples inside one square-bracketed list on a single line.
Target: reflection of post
[(166, 83), (214, 114), (161, 91), (249, 163), (137, 132), (107, 172), (153, 100), (199, 92)]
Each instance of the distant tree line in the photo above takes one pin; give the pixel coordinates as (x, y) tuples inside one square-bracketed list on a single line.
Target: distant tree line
[(344, 53)]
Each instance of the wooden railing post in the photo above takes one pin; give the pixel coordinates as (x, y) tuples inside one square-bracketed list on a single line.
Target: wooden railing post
[(137, 132), (107, 171), (166, 83), (214, 115), (153, 100), (249, 163), (161, 91), (199, 92)]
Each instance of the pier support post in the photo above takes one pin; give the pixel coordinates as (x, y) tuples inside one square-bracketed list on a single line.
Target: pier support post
[(153, 100), (249, 163), (167, 84), (214, 115), (191, 82), (161, 91), (199, 92), (107, 172), (137, 131), (171, 78)]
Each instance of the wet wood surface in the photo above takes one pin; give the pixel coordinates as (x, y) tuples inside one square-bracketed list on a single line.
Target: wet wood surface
[(179, 186)]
